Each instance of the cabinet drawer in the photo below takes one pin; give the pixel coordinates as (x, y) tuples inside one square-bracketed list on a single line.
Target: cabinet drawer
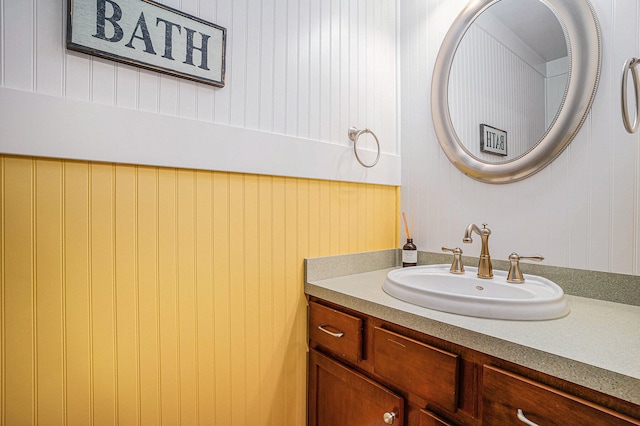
[(504, 394), (336, 331), (417, 368)]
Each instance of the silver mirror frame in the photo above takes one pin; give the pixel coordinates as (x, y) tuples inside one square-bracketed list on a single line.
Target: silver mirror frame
[(584, 45)]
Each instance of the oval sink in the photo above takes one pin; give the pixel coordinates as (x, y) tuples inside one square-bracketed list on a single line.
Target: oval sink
[(434, 287)]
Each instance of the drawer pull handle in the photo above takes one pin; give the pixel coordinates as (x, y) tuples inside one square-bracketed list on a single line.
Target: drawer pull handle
[(525, 420), (389, 418), (322, 328)]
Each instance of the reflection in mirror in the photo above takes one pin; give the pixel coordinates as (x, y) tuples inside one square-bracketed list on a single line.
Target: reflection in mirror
[(510, 73)]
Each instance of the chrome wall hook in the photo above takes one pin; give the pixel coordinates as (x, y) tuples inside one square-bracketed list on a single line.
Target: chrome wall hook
[(354, 134), (631, 65)]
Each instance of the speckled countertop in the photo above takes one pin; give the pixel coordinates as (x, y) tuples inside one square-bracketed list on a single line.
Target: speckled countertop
[(597, 345)]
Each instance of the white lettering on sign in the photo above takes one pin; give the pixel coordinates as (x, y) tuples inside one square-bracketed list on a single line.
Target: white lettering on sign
[(150, 35)]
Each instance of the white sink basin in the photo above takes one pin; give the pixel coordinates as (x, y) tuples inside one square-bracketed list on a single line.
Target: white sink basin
[(434, 287)]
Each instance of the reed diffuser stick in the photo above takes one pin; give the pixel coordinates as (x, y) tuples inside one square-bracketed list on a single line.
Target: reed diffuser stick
[(406, 226)]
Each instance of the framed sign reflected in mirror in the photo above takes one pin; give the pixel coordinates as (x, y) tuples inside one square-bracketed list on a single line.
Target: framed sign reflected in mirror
[(492, 140)]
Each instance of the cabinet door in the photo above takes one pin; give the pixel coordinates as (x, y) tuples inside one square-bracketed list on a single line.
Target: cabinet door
[(339, 396)]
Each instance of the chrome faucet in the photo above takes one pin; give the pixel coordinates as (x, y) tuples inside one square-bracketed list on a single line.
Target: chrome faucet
[(485, 270)]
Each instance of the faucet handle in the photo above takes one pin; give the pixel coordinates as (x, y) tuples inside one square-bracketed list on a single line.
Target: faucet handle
[(456, 266), (515, 274)]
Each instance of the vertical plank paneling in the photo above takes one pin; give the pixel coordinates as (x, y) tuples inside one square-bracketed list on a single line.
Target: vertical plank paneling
[(343, 229), (267, 343), (148, 309), (148, 295), (237, 303), (290, 299), (265, 71), (103, 81), (19, 380), (187, 99), (280, 55), (77, 296), (359, 211), (49, 52), (222, 101), (126, 294), (334, 208), (151, 296), (168, 297), (279, 228), (292, 80), (169, 96), (624, 167), (18, 36), (186, 294), (325, 214), (250, 260), (221, 297), (205, 336), (315, 218), (49, 292), (238, 62), (305, 69), (127, 86), (324, 98), (254, 59), (149, 86), (102, 224)]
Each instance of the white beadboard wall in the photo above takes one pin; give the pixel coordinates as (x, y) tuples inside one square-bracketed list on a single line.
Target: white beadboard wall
[(299, 74), (487, 95), (582, 211)]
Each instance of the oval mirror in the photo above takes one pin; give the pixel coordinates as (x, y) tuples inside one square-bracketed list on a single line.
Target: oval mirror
[(513, 83)]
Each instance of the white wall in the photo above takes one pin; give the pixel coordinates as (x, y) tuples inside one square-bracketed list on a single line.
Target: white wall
[(299, 74), (582, 211), (487, 92)]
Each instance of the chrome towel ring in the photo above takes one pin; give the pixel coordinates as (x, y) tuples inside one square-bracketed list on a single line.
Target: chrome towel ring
[(354, 134), (631, 66)]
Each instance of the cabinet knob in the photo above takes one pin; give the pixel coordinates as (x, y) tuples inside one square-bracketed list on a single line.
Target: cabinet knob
[(389, 418), (525, 420)]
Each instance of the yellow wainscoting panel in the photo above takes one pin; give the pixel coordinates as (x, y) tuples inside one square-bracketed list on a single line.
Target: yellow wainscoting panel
[(143, 295)]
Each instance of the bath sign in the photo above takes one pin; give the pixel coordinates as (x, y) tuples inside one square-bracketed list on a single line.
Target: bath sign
[(493, 140), (149, 35)]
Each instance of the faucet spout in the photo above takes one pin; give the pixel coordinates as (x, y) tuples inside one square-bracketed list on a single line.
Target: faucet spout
[(485, 270)]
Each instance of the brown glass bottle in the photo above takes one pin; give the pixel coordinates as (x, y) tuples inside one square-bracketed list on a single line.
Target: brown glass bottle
[(409, 254)]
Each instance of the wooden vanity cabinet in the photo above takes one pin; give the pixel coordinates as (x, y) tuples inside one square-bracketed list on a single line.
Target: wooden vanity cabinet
[(362, 368)]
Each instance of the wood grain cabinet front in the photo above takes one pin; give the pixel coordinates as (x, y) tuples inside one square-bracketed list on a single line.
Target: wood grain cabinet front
[(339, 396), (367, 371), (336, 331), (416, 367), (511, 399), (429, 419)]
